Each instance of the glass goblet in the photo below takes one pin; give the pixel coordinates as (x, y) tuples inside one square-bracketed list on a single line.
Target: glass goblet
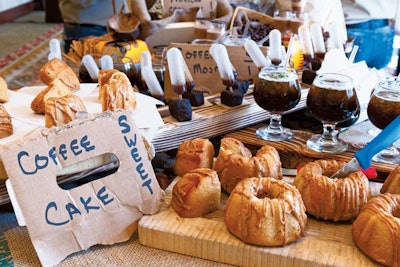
[(331, 99), (383, 108), (276, 90)]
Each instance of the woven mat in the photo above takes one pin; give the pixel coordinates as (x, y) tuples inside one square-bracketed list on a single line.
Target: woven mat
[(21, 68), (129, 253)]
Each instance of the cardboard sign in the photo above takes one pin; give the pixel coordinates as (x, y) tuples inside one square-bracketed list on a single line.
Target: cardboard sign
[(205, 71), (207, 7), (103, 211)]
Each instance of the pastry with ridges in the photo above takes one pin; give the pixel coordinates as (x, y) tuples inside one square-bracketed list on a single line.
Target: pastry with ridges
[(338, 199), (265, 211), (235, 162), (62, 110), (392, 182), (376, 230), (6, 127), (3, 90)]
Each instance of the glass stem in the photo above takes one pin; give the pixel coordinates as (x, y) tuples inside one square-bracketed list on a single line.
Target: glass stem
[(275, 125), (329, 133)]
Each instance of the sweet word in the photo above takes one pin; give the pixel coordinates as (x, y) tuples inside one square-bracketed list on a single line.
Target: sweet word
[(131, 143)]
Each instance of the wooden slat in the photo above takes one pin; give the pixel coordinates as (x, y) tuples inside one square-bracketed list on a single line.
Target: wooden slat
[(325, 243)]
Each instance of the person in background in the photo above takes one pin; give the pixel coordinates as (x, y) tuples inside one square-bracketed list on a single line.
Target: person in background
[(84, 18), (371, 24)]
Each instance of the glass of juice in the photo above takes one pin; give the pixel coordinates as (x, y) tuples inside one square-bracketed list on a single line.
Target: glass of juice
[(331, 99), (383, 107), (276, 90)]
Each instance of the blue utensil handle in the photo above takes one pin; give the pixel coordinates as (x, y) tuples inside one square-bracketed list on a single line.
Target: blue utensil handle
[(384, 139)]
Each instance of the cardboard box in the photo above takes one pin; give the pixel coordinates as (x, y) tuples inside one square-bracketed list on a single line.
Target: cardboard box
[(180, 32), (204, 69), (103, 211)]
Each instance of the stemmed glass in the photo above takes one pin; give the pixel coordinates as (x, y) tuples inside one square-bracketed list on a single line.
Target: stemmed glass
[(331, 99), (383, 108), (276, 90)]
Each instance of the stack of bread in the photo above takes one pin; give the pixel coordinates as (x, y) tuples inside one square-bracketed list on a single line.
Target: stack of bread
[(57, 101)]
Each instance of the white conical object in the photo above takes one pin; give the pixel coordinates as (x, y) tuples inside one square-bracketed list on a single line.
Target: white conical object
[(175, 66), (106, 62), (305, 41), (317, 38), (275, 44), (55, 49), (152, 82), (255, 53), (91, 66), (221, 57)]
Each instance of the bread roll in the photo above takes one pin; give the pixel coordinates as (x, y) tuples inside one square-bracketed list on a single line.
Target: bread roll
[(3, 90), (56, 88), (6, 127), (62, 110), (193, 154), (56, 68)]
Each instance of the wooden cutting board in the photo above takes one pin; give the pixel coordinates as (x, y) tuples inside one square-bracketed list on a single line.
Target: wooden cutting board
[(325, 243)]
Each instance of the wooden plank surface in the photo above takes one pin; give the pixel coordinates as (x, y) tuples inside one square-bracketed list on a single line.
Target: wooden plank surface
[(295, 153), (325, 243), (213, 120)]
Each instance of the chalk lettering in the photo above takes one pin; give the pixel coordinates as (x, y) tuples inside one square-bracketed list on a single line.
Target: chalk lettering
[(73, 210), (42, 161)]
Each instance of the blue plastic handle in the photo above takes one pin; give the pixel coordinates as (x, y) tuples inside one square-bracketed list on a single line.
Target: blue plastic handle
[(384, 139)]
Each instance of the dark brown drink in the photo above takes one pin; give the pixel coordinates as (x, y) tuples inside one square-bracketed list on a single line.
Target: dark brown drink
[(178, 89), (332, 101), (277, 91), (383, 108)]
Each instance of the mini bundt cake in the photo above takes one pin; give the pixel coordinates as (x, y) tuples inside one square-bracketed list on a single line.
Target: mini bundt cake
[(193, 154), (197, 193), (338, 199), (265, 211), (392, 182), (235, 162), (376, 230)]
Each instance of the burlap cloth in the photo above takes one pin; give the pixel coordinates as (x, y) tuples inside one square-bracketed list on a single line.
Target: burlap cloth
[(129, 253)]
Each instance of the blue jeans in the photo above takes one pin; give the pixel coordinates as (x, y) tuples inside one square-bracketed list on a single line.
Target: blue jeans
[(78, 31), (375, 41)]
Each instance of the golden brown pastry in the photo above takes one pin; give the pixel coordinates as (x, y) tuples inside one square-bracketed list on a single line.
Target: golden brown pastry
[(56, 68), (197, 193), (3, 91), (265, 211), (193, 154), (392, 182), (56, 88), (62, 110), (376, 230), (235, 162), (104, 77), (339, 199), (6, 127), (117, 93)]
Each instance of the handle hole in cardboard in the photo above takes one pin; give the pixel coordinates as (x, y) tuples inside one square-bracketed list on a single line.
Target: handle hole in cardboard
[(94, 168)]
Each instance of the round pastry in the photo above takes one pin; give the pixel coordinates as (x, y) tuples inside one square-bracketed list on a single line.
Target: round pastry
[(376, 229), (265, 211), (197, 193), (235, 162), (193, 154), (338, 199), (392, 182)]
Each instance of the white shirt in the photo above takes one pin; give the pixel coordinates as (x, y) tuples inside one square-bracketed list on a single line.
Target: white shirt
[(356, 11)]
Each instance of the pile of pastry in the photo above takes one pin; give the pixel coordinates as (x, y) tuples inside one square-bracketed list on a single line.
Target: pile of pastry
[(60, 105), (6, 127), (262, 209)]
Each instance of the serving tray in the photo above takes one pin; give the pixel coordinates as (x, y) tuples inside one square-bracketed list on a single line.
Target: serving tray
[(324, 244)]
